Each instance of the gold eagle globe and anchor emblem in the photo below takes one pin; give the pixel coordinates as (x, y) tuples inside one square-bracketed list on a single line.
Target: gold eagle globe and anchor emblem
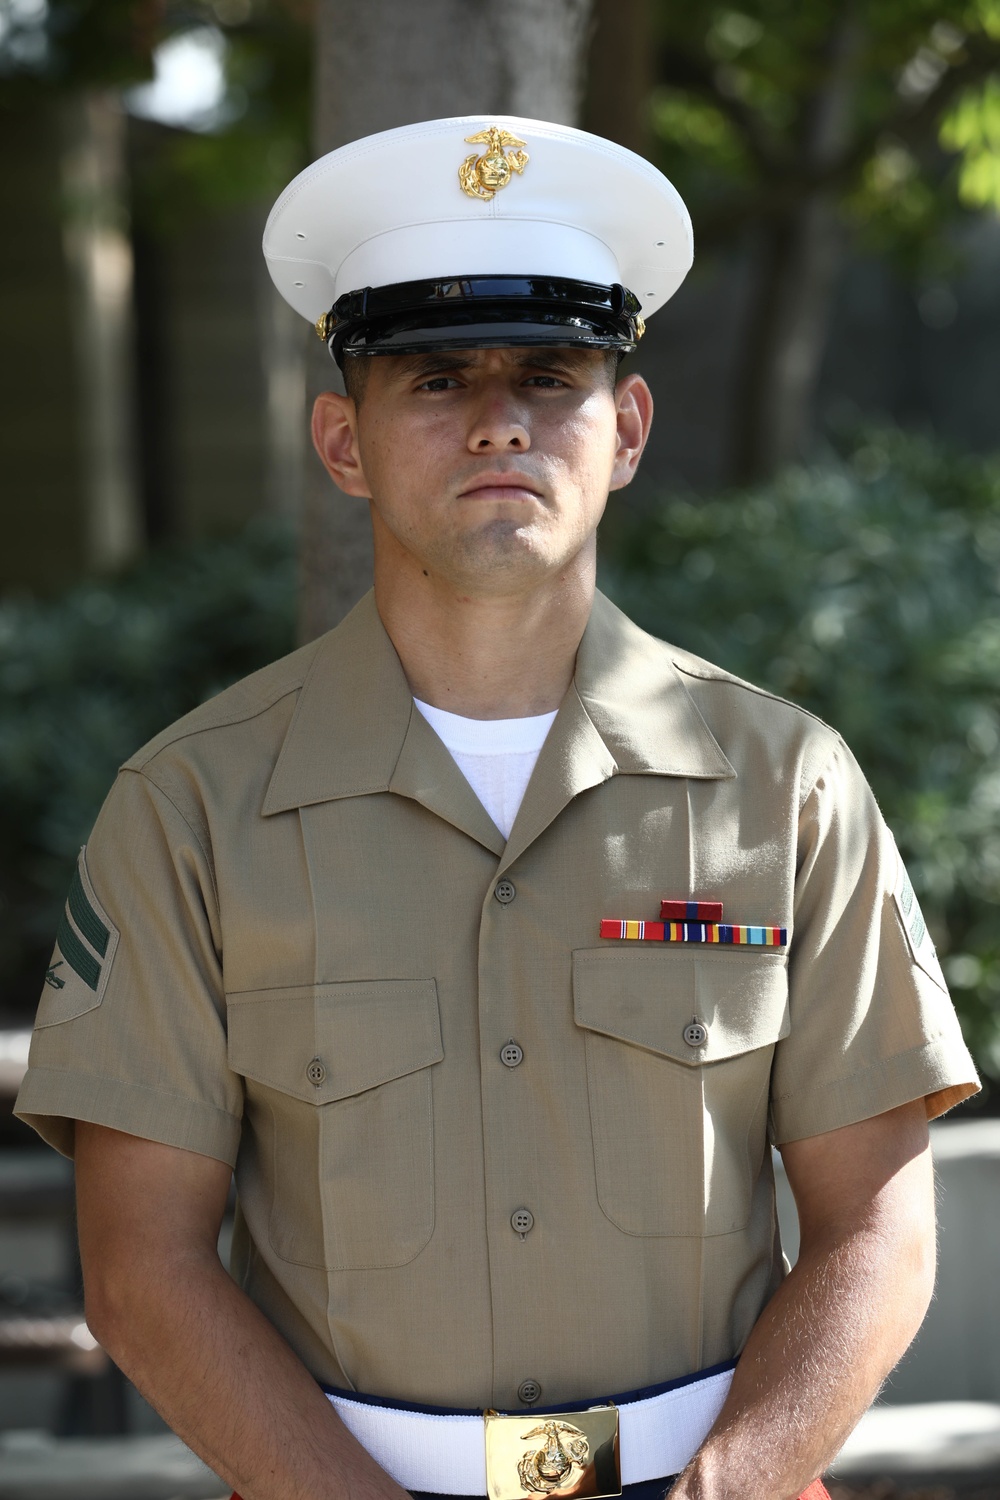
[(578, 1456), (549, 1468), (483, 176)]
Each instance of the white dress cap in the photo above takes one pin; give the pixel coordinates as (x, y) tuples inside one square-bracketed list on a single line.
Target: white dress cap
[(477, 196)]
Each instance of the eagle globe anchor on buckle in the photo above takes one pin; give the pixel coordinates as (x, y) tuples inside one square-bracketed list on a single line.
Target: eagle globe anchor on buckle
[(578, 1455)]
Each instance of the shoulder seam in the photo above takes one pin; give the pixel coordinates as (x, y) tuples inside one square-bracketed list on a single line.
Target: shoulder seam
[(226, 722), (729, 680)]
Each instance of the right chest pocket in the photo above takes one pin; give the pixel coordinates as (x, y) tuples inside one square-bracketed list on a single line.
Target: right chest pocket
[(339, 1158)]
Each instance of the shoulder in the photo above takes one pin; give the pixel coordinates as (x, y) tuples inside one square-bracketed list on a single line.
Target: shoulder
[(754, 727), (257, 696), (218, 760), (709, 681), (738, 711)]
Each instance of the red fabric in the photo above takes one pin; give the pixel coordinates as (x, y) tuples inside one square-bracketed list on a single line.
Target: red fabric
[(690, 911)]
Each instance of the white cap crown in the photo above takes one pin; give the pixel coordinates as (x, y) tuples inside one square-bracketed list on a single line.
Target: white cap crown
[(477, 195)]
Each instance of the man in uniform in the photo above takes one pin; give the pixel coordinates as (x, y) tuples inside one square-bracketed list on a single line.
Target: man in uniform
[(493, 942)]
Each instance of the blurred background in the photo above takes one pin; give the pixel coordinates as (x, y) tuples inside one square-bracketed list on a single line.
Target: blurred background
[(819, 509)]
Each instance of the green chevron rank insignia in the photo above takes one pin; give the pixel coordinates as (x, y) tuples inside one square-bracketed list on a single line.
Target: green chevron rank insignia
[(86, 940), (919, 939)]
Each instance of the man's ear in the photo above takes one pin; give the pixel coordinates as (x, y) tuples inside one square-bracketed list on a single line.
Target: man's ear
[(634, 405), (335, 438)]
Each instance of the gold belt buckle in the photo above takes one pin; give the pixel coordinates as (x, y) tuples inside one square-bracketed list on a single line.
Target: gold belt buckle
[(553, 1453)]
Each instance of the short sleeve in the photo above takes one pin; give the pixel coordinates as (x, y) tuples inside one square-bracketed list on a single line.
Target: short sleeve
[(130, 1031), (871, 1023)]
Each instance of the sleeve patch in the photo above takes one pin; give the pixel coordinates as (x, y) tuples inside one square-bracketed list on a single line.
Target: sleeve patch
[(85, 917), (918, 938), (86, 942)]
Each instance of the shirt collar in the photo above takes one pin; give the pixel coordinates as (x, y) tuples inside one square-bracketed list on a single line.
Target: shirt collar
[(355, 730), (639, 704)]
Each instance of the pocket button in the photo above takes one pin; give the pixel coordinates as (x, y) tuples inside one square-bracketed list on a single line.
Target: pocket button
[(695, 1034), (316, 1072)]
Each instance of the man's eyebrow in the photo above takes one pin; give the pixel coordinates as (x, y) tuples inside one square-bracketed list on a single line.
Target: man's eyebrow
[(554, 359), (433, 364)]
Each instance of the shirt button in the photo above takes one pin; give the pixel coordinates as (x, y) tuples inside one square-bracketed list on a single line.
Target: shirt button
[(528, 1392), (695, 1034), (511, 1054), (521, 1221), (316, 1072), (505, 891)]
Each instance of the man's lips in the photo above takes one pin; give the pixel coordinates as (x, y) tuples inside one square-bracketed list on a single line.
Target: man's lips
[(500, 487)]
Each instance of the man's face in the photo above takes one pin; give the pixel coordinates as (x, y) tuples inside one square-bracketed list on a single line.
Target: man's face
[(488, 469)]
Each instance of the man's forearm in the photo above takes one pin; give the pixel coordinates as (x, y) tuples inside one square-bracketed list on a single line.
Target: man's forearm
[(838, 1324), (159, 1300), (229, 1385), (811, 1368)]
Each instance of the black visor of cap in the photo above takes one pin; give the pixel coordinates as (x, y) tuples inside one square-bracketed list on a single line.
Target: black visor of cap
[(477, 312)]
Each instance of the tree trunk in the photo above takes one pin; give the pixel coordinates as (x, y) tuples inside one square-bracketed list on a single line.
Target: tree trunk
[(620, 73), (99, 254), (799, 258), (800, 254), (385, 63)]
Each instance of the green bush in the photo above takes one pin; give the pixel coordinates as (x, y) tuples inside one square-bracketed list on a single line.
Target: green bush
[(865, 588), (86, 679)]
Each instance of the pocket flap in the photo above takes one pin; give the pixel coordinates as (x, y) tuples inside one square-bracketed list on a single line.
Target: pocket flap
[(649, 999), (322, 1042)]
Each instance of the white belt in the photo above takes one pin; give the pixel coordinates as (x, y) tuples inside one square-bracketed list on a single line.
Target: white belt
[(445, 1453)]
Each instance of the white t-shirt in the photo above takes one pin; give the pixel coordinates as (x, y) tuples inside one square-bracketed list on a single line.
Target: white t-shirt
[(496, 756)]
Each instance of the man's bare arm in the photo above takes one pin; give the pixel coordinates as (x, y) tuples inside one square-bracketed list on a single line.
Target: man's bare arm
[(161, 1303), (840, 1321)]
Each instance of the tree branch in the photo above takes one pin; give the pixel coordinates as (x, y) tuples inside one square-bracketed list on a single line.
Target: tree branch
[(911, 122), (793, 180), (697, 75)]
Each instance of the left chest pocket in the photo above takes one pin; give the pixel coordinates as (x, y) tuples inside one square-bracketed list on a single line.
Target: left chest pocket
[(337, 1168), (679, 1118)]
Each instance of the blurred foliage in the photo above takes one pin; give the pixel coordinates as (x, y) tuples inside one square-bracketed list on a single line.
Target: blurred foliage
[(86, 679), (264, 137), (260, 136), (77, 43), (866, 589), (892, 108)]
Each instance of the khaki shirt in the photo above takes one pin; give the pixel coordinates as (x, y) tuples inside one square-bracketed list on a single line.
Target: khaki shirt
[(297, 943)]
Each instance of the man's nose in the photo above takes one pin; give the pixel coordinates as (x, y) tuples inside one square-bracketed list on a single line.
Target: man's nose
[(499, 426)]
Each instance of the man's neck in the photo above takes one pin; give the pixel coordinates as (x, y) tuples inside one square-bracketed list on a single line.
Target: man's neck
[(487, 657)]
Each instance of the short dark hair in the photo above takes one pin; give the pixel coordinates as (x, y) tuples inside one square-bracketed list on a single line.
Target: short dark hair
[(612, 364), (357, 367)]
